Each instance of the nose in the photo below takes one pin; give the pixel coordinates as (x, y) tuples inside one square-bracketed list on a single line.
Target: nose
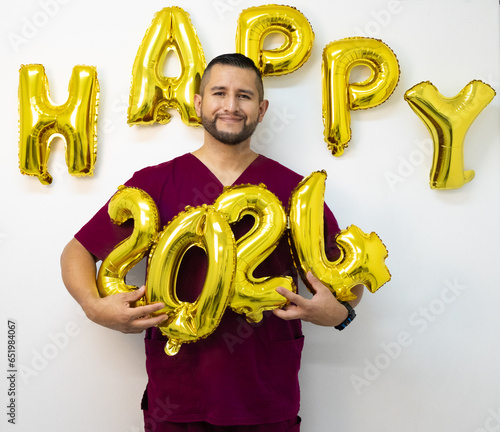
[(231, 104)]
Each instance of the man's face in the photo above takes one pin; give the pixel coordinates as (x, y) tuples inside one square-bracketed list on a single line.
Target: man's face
[(230, 108)]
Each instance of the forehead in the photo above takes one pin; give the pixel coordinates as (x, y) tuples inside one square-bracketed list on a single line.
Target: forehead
[(232, 77)]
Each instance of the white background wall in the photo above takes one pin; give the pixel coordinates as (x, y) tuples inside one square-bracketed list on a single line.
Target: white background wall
[(423, 354)]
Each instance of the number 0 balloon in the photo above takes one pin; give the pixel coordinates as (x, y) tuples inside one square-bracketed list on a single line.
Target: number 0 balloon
[(208, 229)]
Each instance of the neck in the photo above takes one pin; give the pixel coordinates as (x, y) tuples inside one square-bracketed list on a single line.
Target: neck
[(227, 162)]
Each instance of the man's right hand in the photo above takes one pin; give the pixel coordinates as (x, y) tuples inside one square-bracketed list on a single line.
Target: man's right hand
[(115, 312), (78, 267)]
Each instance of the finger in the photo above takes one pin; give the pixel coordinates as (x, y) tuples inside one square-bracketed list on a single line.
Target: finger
[(138, 325), (313, 280), (134, 295), (145, 323), (289, 295), (142, 311), (316, 284), (288, 314), (137, 294)]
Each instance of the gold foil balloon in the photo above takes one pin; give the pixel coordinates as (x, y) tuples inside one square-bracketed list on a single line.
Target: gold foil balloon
[(128, 203), (340, 96), (196, 227), (255, 23), (152, 94), (253, 295), (448, 120), (40, 121), (362, 256)]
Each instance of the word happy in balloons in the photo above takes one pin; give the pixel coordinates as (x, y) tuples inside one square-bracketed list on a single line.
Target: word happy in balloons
[(152, 95)]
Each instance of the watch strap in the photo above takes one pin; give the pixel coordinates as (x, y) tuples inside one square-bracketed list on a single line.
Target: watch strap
[(351, 314)]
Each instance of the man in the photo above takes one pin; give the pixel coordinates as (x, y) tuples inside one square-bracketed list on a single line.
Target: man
[(241, 378)]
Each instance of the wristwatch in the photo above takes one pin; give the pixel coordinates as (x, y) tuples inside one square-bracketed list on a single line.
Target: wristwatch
[(350, 316)]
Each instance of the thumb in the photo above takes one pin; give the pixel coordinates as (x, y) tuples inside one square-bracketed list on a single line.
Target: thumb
[(313, 280), (135, 294), (315, 283)]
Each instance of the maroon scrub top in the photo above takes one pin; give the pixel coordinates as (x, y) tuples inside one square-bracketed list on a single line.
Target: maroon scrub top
[(242, 373)]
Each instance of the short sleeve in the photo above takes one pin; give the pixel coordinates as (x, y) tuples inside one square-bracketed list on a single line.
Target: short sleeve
[(100, 235)]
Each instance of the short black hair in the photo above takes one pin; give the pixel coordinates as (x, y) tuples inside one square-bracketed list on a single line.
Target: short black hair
[(235, 60)]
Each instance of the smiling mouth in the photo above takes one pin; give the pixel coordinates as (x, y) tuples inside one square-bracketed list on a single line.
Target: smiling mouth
[(230, 119)]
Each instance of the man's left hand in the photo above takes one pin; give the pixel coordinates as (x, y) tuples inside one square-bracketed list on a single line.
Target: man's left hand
[(322, 309)]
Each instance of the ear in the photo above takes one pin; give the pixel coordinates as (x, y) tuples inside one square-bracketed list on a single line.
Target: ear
[(197, 104), (264, 105)]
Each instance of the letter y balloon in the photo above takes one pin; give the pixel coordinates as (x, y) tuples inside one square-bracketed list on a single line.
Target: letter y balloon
[(448, 120)]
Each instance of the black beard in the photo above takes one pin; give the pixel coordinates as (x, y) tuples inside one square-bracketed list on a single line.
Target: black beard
[(228, 138)]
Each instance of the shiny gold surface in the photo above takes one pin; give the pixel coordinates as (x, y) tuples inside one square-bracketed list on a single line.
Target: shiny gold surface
[(253, 295), (340, 96), (448, 120), (208, 229), (151, 93), (40, 121), (257, 22), (128, 203), (362, 259)]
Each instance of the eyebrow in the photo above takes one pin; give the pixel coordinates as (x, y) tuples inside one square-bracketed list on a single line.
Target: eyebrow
[(244, 91)]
